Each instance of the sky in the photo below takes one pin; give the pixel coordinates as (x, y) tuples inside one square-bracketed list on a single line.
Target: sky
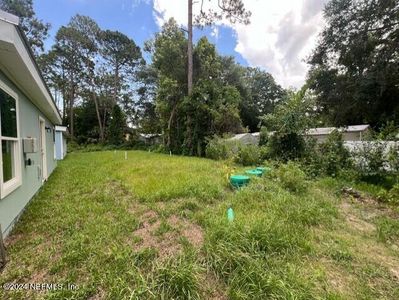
[(281, 35)]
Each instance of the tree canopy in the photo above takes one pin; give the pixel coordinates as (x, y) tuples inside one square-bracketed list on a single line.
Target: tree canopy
[(355, 66), (35, 30)]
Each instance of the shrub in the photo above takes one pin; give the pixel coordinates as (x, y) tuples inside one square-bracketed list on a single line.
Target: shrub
[(286, 146), (288, 122), (311, 160), (389, 131), (248, 155), (369, 159), (291, 177), (219, 148), (393, 159), (334, 156), (263, 136), (328, 158), (393, 194)]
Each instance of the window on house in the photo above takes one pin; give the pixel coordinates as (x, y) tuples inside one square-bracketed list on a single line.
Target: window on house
[(10, 167)]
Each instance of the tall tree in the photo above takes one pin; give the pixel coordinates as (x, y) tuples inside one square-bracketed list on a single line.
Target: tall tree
[(72, 62), (263, 95), (147, 117), (122, 56), (117, 126), (355, 66), (35, 30), (233, 11), (213, 106), (168, 46)]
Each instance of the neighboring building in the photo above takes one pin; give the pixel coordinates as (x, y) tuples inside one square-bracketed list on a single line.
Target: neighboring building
[(28, 115), (150, 138), (61, 133), (256, 135), (245, 138), (349, 133)]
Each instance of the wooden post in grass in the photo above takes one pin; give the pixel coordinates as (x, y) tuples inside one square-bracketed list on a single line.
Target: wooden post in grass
[(2, 250)]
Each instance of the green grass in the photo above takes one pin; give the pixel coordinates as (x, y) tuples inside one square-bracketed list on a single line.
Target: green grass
[(291, 238), (387, 229)]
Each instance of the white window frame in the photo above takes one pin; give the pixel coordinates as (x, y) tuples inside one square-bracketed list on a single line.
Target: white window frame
[(8, 187)]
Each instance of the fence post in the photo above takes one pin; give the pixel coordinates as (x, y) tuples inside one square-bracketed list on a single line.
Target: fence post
[(2, 250)]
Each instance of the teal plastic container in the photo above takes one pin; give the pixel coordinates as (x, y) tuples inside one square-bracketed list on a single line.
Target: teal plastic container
[(238, 181), (254, 172)]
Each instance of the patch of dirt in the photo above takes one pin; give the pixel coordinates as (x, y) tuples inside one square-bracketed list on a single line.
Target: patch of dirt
[(354, 221), (368, 248), (213, 288), (99, 295), (38, 277), (12, 239), (350, 192), (192, 232), (168, 243), (337, 278), (122, 195), (379, 255)]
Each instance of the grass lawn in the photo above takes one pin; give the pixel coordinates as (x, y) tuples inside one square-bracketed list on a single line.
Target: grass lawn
[(155, 227)]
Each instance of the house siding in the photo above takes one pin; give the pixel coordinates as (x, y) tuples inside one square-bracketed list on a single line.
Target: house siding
[(13, 204)]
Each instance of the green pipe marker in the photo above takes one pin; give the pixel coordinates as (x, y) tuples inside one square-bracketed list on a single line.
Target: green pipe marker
[(230, 214)]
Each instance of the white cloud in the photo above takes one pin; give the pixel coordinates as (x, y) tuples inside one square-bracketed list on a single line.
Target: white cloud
[(215, 32), (281, 34)]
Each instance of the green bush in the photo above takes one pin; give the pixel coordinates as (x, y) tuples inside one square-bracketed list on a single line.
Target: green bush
[(393, 194), (393, 159), (335, 157), (248, 155), (286, 146), (311, 160), (263, 136), (291, 177), (288, 122), (389, 132), (328, 158), (219, 148), (370, 159)]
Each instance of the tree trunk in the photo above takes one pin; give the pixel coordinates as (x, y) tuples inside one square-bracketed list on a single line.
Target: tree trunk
[(71, 112), (116, 84), (104, 119), (98, 117), (190, 47), (189, 72), (64, 105), (172, 115)]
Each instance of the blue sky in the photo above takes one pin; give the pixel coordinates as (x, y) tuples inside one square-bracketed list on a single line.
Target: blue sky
[(133, 18), (279, 38)]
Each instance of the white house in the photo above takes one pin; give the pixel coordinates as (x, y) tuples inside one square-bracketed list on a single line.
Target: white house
[(150, 138), (245, 138), (28, 116), (349, 133)]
